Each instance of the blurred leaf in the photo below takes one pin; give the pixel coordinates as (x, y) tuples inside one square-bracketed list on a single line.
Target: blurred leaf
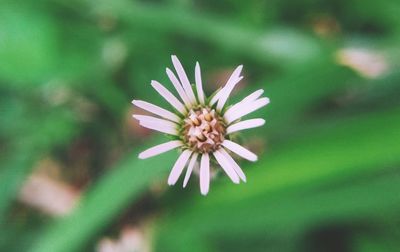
[(28, 44), (106, 199), (45, 133), (295, 92), (371, 244), (337, 151), (281, 45)]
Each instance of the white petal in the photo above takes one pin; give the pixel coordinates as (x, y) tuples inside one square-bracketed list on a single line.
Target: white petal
[(244, 110), (161, 148), (239, 150), (160, 127), (168, 96), (152, 119), (190, 169), (247, 124), (219, 93), (253, 96), (233, 163), (178, 87), (225, 92), (204, 173), (183, 77), (230, 85), (178, 167), (156, 110), (199, 84), (226, 166), (216, 97), (247, 100)]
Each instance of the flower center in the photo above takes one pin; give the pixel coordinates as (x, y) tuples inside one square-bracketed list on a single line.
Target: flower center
[(203, 130)]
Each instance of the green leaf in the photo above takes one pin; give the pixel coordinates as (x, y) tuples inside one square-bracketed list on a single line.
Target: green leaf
[(280, 45), (105, 200), (339, 150), (27, 44), (46, 132)]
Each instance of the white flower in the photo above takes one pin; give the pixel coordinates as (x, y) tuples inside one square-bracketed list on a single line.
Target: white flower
[(201, 127)]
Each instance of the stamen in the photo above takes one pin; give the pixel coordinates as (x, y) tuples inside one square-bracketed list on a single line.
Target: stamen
[(203, 130), (208, 117)]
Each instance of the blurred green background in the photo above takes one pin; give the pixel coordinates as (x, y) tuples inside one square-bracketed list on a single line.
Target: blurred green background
[(328, 175)]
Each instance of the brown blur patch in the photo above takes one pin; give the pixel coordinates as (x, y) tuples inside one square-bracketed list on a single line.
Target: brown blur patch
[(132, 128), (130, 239), (367, 63), (325, 26), (45, 191), (257, 145)]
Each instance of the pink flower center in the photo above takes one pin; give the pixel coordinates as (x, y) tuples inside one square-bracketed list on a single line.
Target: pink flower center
[(204, 130)]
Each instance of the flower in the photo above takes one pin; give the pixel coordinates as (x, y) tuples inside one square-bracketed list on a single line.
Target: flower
[(201, 127)]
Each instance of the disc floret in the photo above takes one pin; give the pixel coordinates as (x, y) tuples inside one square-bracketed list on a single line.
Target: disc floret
[(203, 130)]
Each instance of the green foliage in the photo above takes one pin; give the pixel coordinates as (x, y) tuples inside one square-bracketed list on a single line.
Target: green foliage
[(30, 34), (327, 178), (124, 183)]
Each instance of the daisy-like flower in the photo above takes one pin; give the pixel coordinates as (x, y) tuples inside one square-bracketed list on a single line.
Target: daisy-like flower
[(201, 127)]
